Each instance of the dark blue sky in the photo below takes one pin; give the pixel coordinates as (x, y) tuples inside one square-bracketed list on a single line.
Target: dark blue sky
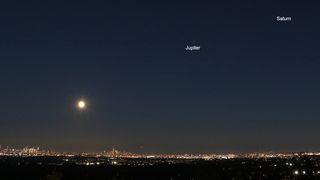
[(253, 86)]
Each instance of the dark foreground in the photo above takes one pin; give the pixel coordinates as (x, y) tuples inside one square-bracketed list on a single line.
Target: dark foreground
[(63, 168)]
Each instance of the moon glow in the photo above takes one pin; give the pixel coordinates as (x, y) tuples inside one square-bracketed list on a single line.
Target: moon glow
[(81, 104)]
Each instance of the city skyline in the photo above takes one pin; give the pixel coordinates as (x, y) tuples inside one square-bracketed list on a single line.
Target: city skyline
[(113, 152)]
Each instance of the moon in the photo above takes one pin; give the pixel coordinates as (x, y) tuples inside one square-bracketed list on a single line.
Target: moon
[(81, 104)]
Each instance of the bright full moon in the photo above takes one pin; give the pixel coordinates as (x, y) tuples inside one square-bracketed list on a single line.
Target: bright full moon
[(81, 104)]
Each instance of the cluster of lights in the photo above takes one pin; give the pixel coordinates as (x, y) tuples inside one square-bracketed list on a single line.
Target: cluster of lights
[(289, 164), (92, 163), (303, 172)]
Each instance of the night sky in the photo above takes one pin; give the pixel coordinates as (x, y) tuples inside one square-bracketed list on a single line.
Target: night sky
[(253, 86)]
